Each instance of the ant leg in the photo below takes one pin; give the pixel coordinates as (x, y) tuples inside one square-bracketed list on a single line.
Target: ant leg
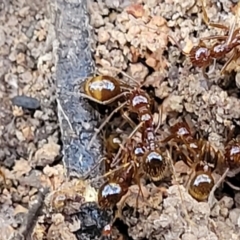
[(204, 73), (116, 159), (190, 222), (139, 191), (159, 119), (169, 138), (212, 70), (214, 37), (207, 21), (110, 172), (83, 95), (228, 61), (123, 73), (232, 186), (178, 45), (128, 119), (94, 167), (211, 197), (104, 123)]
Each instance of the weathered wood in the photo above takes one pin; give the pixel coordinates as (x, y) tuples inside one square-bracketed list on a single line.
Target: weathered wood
[(74, 64)]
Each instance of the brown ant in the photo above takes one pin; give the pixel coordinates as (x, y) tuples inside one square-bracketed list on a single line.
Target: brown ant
[(119, 179), (203, 56), (105, 90), (197, 154), (231, 162), (137, 101)]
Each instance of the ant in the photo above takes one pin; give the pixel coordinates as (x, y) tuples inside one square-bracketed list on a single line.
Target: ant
[(137, 101), (119, 179), (114, 190), (203, 56), (231, 162), (197, 154), (105, 90)]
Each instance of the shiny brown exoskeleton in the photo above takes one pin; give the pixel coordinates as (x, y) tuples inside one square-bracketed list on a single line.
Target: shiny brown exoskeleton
[(112, 143), (111, 192), (204, 55), (199, 155), (232, 154), (102, 89), (138, 102), (118, 182), (201, 185), (180, 131), (205, 161), (105, 90), (155, 164)]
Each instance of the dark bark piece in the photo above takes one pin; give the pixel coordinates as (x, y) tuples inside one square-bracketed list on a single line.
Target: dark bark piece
[(74, 65)]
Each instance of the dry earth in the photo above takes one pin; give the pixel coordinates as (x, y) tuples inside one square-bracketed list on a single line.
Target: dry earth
[(132, 36)]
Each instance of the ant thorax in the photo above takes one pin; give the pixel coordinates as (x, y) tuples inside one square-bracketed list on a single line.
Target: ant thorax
[(219, 48), (202, 54)]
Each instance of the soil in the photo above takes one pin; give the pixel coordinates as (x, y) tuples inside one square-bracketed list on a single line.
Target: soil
[(47, 50)]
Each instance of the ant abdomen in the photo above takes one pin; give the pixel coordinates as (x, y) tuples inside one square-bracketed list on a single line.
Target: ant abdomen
[(155, 165), (201, 185), (110, 193), (102, 88)]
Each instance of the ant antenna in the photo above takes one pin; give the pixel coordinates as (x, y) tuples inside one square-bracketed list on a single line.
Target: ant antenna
[(122, 72)]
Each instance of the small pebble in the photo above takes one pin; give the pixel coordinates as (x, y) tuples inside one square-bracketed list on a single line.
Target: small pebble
[(26, 102), (224, 212), (215, 211), (237, 199), (188, 236), (234, 216), (2, 37), (226, 202)]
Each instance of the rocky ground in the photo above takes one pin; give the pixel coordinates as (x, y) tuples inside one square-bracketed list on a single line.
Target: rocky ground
[(132, 36)]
